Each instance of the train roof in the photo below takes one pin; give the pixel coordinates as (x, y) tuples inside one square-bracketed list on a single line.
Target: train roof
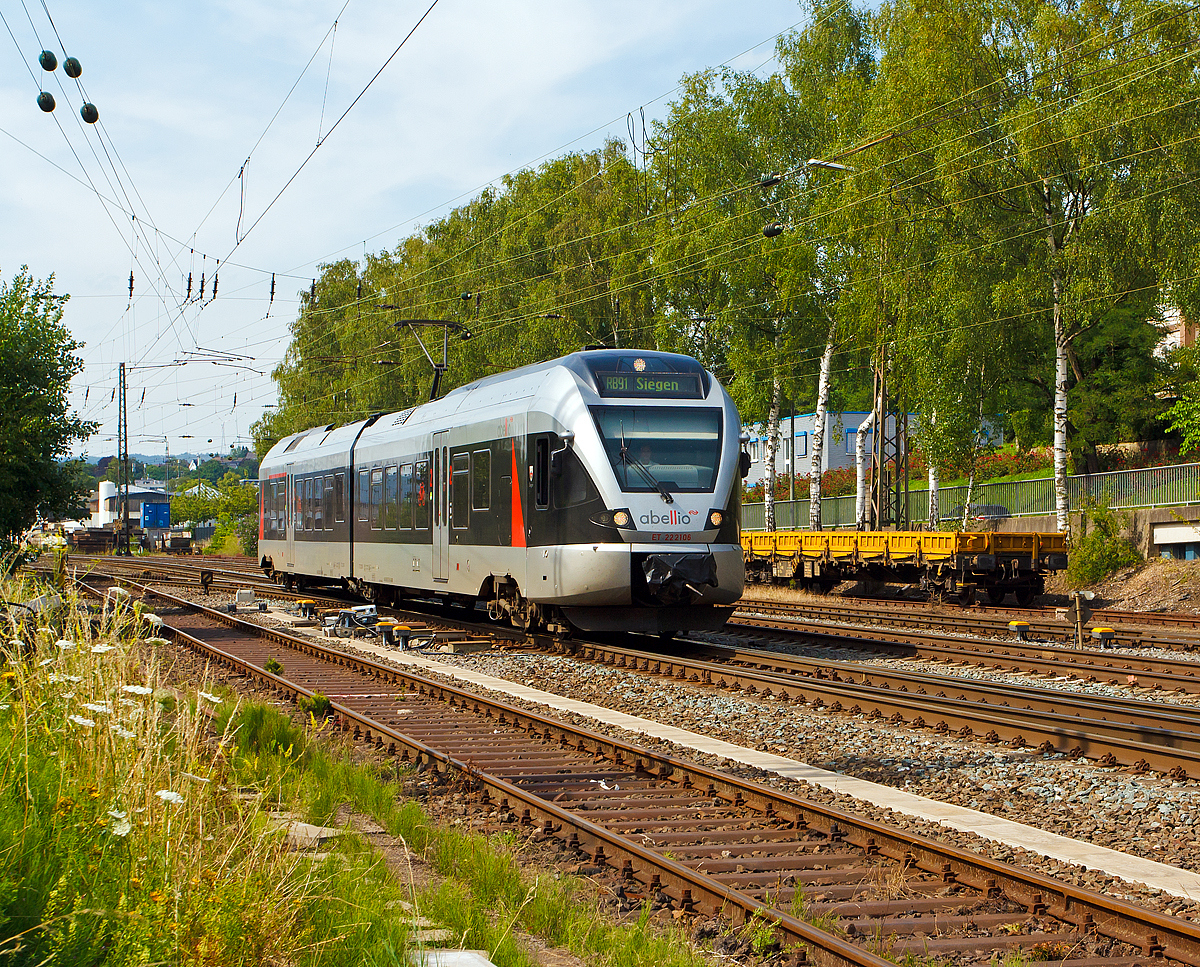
[(585, 365)]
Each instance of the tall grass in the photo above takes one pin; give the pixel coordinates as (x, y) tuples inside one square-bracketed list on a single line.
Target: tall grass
[(123, 836)]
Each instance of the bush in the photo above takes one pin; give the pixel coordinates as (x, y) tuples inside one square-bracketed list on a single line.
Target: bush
[(247, 533), (1099, 550), (274, 666)]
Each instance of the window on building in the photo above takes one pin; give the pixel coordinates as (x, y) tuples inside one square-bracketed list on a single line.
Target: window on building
[(391, 494), (802, 443), (460, 508), (851, 437), (376, 498), (481, 480)]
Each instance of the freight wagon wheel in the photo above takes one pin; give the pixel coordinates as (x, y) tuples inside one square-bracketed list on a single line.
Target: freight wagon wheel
[(996, 595), (1025, 596), (966, 597)]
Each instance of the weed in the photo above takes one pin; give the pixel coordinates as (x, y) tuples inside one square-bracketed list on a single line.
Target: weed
[(318, 706), (274, 666)]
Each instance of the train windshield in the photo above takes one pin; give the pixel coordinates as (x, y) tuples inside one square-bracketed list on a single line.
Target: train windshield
[(661, 447)]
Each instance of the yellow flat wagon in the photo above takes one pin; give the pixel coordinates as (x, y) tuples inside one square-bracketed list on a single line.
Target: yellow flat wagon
[(947, 563)]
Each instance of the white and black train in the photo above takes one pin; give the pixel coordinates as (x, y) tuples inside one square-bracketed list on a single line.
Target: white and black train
[(601, 490)]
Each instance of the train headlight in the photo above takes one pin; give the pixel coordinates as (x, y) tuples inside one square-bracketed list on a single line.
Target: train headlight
[(614, 518), (714, 518)]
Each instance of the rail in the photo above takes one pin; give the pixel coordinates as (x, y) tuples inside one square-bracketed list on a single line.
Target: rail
[(1174, 486)]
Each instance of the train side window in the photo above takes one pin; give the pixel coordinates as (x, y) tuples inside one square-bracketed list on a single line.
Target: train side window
[(460, 508), (541, 473), (390, 492), (376, 498), (339, 497), (405, 507), (272, 513), (424, 487), (318, 503), (328, 501), (364, 494), (308, 517), (481, 480)]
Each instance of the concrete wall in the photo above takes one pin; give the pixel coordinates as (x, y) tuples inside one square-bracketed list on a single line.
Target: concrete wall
[(1140, 530)]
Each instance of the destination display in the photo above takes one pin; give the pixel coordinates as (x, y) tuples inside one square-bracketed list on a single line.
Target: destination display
[(676, 386)]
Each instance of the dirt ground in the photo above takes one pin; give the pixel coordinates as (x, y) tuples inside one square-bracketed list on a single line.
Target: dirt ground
[(1160, 584)]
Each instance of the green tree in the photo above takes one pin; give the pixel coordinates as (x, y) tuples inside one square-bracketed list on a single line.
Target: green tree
[(37, 361)]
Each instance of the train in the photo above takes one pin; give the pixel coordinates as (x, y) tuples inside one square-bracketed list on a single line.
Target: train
[(599, 492), (948, 564)]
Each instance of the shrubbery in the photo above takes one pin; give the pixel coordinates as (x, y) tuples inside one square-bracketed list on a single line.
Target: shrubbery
[(1099, 550)]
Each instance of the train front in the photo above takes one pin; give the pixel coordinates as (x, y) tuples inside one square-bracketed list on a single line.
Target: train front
[(660, 437)]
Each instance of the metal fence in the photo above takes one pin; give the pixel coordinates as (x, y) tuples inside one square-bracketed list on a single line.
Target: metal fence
[(1127, 489)]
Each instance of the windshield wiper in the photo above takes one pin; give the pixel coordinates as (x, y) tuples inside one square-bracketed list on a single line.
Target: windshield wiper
[(643, 470)]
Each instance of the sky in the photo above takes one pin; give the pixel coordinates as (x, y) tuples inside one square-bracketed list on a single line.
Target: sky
[(198, 134)]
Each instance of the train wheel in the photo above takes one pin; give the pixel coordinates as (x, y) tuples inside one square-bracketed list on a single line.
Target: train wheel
[(1025, 596), (965, 597), (996, 595)]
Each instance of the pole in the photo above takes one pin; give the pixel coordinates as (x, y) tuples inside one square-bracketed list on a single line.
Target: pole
[(125, 462)]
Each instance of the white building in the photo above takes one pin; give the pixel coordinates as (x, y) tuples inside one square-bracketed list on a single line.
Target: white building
[(105, 506)]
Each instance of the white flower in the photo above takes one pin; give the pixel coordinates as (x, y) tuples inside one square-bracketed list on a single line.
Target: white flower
[(137, 689), (54, 677), (80, 720), (101, 649), (117, 814), (95, 707), (157, 642), (4, 706), (65, 644), (120, 825), (166, 795), (210, 698), (129, 703), (16, 644), (45, 661), (118, 593), (121, 731), (153, 620)]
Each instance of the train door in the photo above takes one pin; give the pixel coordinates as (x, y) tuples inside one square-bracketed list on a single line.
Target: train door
[(441, 506), (289, 517)]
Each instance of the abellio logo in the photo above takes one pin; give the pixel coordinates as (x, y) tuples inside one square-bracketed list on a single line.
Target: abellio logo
[(670, 517)]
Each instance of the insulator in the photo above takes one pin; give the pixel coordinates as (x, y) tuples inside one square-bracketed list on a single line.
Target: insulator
[(46, 101), (770, 181), (312, 293), (201, 286), (47, 59), (216, 279), (272, 289), (189, 292), (89, 113), (72, 68), (772, 229)]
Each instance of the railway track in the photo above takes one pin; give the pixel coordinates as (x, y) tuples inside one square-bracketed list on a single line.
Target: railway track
[(1029, 657), (1133, 629), (1140, 735), (694, 839)]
